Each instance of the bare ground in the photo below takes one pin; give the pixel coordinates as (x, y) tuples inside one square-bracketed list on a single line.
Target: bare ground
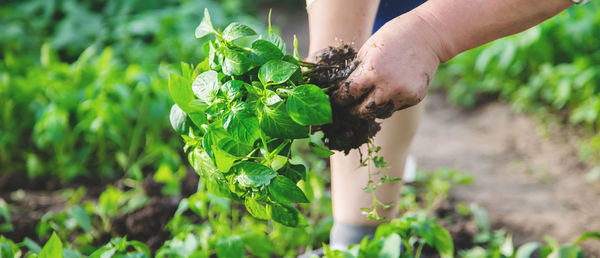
[(529, 178)]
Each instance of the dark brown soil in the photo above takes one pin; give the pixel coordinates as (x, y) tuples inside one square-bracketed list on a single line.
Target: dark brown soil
[(13, 181), (27, 210), (347, 131), (148, 224)]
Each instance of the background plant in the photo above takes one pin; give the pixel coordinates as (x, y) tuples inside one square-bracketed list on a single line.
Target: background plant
[(80, 95), (551, 69)]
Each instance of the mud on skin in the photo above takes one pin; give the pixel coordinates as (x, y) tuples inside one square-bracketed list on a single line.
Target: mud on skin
[(347, 131)]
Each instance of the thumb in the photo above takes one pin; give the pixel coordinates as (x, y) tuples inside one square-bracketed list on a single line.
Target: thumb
[(358, 85)]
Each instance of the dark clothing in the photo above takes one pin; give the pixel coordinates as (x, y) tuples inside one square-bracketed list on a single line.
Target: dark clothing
[(390, 9)]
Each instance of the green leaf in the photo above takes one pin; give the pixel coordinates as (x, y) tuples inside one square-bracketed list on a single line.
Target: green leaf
[(216, 184), (263, 51), (588, 235), (236, 30), (277, 41), (391, 247), (214, 135), (276, 72), (81, 217), (230, 247), (271, 98), (32, 245), (178, 120), (242, 124), (321, 151), (258, 244), (198, 119), (278, 161), (282, 189), (256, 209), (182, 94), (284, 213), (507, 249), (139, 246), (205, 26), (53, 248), (68, 253), (233, 89), (330, 253), (526, 250), (246, 41), (206, 86), (567, 251), (235, 63), (294, 172), (276, 122), (223, 159), (234, 147), (309, 105), (252, 174), (215, 58), (442, 241), (6, 224), (104, 252)]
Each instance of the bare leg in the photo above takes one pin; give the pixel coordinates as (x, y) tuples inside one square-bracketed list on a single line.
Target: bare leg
[(347, 179), (328, 26)]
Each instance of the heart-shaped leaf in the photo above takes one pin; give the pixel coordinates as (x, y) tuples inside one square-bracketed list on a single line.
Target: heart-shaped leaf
[(206, 86), (309, 105), (264, 51), (276, 122), (235, 63), (205, 26), (236, 30), (242, 124), (252, 174), (178, 120), (282, 189), (276, 72)]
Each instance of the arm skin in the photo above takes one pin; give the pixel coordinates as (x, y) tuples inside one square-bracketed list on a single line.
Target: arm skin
[(398, 62), (330, 24)]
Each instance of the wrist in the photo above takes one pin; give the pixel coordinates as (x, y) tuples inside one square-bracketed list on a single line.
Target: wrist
[(418, 28), (441, 42)]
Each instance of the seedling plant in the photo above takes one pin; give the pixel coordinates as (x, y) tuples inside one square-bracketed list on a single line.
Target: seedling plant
[(241, 108)]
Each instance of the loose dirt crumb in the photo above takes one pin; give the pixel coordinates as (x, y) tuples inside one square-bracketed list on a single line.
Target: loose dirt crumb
[(347, 131)]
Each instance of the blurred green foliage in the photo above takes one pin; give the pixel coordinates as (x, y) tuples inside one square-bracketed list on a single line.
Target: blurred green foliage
[(83, 87), (551, 68)]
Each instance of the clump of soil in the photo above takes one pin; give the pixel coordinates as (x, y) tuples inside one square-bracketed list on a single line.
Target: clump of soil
[(347, 131)]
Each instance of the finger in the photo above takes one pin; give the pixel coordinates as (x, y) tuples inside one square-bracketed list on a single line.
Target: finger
[(358, 85), (376, 105)]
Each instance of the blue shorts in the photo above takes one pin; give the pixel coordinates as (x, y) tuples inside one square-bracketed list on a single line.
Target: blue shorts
[(390, 9)]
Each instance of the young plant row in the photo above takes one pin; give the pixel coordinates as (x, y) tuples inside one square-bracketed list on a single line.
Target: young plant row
[(80, 95), (226, 231)]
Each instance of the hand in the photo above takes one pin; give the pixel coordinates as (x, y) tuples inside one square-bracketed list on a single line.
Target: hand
[(396, 67)]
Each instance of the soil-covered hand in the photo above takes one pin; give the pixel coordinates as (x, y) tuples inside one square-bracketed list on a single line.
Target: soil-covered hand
[(396, 67)]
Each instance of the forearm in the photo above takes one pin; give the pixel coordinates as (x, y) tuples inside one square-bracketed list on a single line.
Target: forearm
[(348, 21), (465, 24)]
